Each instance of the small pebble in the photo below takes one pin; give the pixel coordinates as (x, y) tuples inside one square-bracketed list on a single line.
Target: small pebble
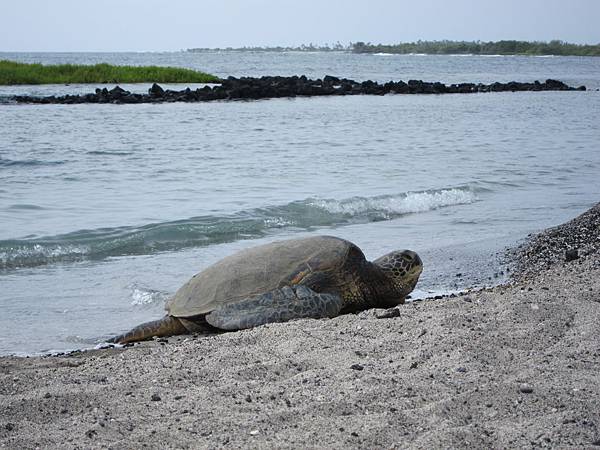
[(155, 398), (9, 426), (254, 432), (461, 369), (47, 395), (526, 388), (356, 367)]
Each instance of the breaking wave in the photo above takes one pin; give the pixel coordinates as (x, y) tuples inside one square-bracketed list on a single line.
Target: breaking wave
[(207, 230)]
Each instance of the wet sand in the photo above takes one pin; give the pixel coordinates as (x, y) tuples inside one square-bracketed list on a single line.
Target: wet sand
[(517, 365)]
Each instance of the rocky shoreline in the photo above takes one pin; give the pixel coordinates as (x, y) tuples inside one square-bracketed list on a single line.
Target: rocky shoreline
[(576, 239), (249, 88), (513, 366)]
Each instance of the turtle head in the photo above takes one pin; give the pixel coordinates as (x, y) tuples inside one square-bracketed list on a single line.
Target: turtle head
[(403, 267)]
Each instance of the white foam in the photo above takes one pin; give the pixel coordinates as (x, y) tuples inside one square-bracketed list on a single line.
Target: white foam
[(413, 202), (277, 222), (141, 296), (41, 253)]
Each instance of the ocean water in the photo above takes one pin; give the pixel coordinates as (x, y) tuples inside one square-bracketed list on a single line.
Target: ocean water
[(105, 210)]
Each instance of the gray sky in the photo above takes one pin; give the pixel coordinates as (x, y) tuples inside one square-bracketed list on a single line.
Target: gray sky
[(152, 25)]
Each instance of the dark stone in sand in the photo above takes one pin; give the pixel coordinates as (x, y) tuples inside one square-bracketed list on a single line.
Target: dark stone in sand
[(526, 388), (571, 255), (356, 367), (90, 433), (155, 398)]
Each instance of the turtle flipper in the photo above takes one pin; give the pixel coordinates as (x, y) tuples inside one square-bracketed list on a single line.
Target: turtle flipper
[(167, 326), (279, 305)]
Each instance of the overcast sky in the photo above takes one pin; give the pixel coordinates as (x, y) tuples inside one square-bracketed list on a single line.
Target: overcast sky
[(152, 25)]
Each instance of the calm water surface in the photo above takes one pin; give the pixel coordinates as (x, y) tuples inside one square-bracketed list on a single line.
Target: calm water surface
[(105, 210)]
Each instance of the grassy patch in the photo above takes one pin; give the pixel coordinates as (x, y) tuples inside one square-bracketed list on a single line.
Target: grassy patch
[(12, 72)]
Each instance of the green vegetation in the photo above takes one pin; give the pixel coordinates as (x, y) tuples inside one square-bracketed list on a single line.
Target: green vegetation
[(12, 72), (481, 48), (435, 48)]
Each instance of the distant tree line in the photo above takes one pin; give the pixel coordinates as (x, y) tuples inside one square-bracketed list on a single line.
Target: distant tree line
[(481, 48), (507, 47)]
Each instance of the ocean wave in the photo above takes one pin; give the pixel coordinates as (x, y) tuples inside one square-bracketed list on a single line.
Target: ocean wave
[(108, 153), (201, 231), (27, 163)]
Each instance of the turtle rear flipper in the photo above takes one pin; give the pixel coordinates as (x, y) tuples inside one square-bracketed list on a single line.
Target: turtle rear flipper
[(167, 326), (278, 305)]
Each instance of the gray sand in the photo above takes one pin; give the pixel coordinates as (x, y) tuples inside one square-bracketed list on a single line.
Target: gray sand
[(513, 366)]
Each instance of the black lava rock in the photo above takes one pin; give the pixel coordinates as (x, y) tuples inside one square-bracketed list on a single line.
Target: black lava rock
[(156, 91), (251, 88)]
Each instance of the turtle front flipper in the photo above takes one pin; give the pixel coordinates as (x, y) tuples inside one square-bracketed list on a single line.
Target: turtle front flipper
[(278, 305), (167, 326)]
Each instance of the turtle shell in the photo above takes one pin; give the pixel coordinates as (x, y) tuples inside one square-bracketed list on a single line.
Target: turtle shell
[(257, 270)]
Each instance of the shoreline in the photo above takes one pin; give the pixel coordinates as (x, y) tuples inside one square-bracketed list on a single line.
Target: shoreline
[(510, 366)]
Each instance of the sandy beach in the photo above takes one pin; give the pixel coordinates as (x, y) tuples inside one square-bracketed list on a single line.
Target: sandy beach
[(517, 365)]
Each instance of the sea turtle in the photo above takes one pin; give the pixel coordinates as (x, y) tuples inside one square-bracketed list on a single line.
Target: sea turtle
[(316, 277)]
